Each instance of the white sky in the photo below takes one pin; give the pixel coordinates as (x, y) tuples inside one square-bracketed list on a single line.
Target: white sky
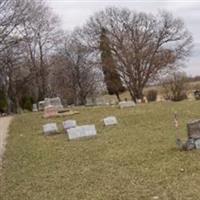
[(75, 13)]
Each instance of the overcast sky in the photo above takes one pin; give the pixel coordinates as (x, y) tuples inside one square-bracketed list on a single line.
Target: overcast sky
[(75, 13)]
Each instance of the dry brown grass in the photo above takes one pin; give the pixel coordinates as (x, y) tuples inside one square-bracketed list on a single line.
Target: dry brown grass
[(135, 160)]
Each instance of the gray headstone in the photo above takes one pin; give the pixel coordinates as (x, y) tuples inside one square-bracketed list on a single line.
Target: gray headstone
[(69, 124), (197, 144), (56, 102), (81, 132), (41, 105), (126, 104), (50, 129), (110, 121), (189, 145), (35, 109), (194, 129)]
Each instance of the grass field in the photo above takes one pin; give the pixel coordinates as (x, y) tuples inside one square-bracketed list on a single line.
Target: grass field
[(135, 160)]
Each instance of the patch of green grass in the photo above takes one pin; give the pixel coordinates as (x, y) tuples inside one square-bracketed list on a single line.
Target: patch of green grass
[(137, 159)]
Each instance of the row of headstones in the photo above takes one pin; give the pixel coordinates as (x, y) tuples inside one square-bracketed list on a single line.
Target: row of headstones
[(122, 104), (74, 131), (57, 103)]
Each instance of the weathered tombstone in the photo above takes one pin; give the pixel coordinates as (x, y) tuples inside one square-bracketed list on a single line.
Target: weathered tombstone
[(41, 105), (35, 109), (50, 111), (81, 132), (194, 129), (50, 129), (197, 144), (126, 104), (56, 102), (110, 121), (189, 145), (69, 124)]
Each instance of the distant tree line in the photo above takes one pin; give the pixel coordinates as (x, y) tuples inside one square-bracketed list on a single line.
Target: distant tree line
[(117, 49)]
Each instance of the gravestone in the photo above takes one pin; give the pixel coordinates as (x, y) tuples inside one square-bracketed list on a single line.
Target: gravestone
[(193, 128), (35, 109), (110, 121), (50, 129), (189, 145), (81, 132), (50, 111), (126, 104), (56, 102), (41, 105), (197, 144), (69, 124)]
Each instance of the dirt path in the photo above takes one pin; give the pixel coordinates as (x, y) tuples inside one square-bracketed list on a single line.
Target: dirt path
[(4, 125)]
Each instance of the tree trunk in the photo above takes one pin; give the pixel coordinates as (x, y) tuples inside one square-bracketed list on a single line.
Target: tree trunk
[(136, 93), (132, 94), (139, 94), (118, 97)]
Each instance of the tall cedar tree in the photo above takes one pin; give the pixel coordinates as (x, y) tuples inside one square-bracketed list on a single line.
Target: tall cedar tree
[(111, 76)]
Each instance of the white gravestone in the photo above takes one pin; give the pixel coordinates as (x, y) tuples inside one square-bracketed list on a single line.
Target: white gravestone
[(56, 102), (50, 129), (81, 132), (197, 144), (41, 105), (69, 124), (126, 104), (110, 121), (35, 109)]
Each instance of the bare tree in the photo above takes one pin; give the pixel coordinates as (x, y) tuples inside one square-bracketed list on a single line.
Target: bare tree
[(142, 44), (28, 34), (40, 30), (78, 74)]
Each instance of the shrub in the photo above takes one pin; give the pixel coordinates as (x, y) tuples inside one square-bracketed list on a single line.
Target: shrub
[(26, 103), (175, 86), (152, 95)]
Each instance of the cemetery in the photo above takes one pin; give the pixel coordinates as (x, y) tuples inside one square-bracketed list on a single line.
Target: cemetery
[(99, 100), (105, 147)]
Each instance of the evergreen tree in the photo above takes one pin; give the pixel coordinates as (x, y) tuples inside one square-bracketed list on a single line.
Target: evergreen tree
[(111, 76)]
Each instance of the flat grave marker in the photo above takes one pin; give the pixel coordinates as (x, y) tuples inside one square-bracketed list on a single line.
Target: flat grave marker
[(50, 129), (126, 104), (81, 132), (69, 124), (111, 120)]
